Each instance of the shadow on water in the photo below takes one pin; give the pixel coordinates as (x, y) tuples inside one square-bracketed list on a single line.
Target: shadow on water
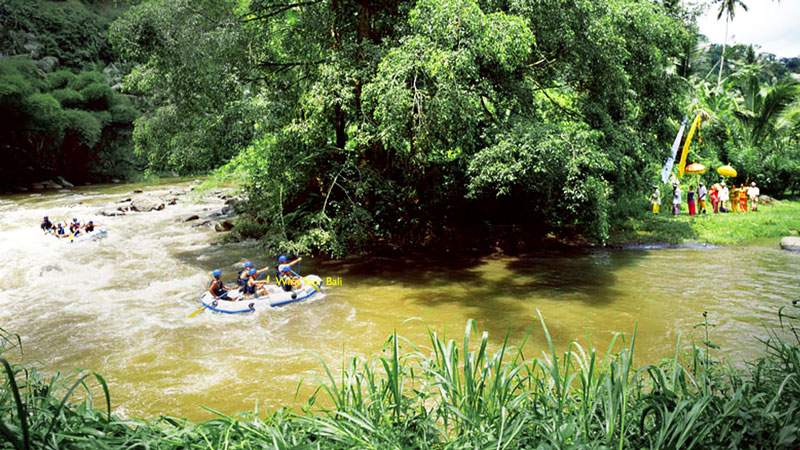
[(500, 291)]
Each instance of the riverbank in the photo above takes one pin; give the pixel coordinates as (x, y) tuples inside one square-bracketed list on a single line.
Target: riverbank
[(436, 397), (770, 221)]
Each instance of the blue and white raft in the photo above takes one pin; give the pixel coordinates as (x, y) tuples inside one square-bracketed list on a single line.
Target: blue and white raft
[(88, 236), (312, 286)]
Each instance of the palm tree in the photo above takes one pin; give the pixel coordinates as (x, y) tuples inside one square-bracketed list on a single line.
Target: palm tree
[(761, 111), (727, 8)]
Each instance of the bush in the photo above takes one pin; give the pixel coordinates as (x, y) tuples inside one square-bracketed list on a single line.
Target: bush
[(97, 96), (69, 98)]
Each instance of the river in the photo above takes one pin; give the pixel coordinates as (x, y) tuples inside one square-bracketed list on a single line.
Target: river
[(120, 306)]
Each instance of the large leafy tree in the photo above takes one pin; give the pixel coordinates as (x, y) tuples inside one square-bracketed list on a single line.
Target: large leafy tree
[(393, 123)]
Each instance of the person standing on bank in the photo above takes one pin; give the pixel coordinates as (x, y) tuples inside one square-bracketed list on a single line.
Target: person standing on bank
[(676, 199), (724, 193), (690, 200), (753, 192), (655, 199), (702, 193)]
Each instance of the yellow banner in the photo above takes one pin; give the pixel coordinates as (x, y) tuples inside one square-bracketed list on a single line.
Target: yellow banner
[(689, 137)]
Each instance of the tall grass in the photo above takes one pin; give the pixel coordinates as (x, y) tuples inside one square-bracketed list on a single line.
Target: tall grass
[(451, 395)]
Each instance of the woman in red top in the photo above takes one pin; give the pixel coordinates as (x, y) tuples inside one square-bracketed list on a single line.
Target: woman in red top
[(715, 198)]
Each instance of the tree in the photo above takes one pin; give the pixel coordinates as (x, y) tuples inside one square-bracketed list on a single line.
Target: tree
[(728, 9)]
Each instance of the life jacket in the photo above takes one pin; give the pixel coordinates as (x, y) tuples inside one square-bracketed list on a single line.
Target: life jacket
[(46, 225), (60, 231), (248, 289), (239, 280), (89, 228), (220, 289)]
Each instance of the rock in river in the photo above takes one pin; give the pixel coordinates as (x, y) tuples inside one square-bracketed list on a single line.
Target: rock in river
[(146, 203), (791, 243), (223, 226)]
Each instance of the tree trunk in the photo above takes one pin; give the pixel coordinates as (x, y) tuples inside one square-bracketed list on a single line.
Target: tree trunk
[(722, 56)]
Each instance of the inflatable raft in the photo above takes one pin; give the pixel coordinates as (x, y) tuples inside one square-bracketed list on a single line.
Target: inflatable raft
[(84, 236), (277, 297)]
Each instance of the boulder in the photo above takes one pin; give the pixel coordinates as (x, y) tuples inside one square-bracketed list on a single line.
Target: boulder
[(37, 186), (50, 184), (110, 212), (189, 219), (172, 201), (115, 180), (124, 200), (146, 203), (223, 213), (791, 243), (766, 199), (201, 224), (223, 226), (137, 191), (65, 183)]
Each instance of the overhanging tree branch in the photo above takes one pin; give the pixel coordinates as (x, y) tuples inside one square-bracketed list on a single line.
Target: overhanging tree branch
[(280, 8)]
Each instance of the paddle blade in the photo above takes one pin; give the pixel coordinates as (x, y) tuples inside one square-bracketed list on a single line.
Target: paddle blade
[(196, 312)]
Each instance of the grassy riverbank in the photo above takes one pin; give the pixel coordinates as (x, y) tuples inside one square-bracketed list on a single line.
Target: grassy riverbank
[(773, 221), (459, 395)]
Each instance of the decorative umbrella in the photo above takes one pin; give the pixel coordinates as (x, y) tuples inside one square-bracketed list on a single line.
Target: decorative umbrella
[(695, 168), (727, 171)]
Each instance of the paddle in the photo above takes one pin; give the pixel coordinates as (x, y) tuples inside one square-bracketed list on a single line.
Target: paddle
[(196, 312)]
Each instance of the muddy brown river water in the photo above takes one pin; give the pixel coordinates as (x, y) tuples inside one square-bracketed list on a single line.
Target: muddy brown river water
[(120, 306)]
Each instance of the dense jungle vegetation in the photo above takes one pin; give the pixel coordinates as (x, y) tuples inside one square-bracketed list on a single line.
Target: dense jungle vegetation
[(60, 102), (358, 126)]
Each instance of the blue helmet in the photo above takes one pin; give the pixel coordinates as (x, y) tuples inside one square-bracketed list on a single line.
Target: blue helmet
[(286, 269), (59, 225), (282, 258), (216, 273), (45, 217), (74, 219), (91, 223), (248, 264), (252, 271)]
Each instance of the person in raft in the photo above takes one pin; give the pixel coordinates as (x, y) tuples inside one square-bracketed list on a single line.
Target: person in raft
[(46, 225), (690, 200), (217, 287), (655, 199), (724, 195), (286, 277), (244, 274), (702, 194), (89, 227), (753, 193), (743, 198), (676, 199), (60, 231), (254, 287), (75, 226)]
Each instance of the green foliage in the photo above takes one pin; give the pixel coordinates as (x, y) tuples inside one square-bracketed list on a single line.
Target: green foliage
[(752, 124), (365, 126), (49, 130), (69, 98), (463, 395), (68, 31), (60, 79), (97, 96)]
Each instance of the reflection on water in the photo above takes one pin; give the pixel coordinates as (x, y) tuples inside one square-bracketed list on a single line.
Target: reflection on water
[(120, 306)]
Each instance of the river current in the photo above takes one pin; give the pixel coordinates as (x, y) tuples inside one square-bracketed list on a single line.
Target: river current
[(119, 306)]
